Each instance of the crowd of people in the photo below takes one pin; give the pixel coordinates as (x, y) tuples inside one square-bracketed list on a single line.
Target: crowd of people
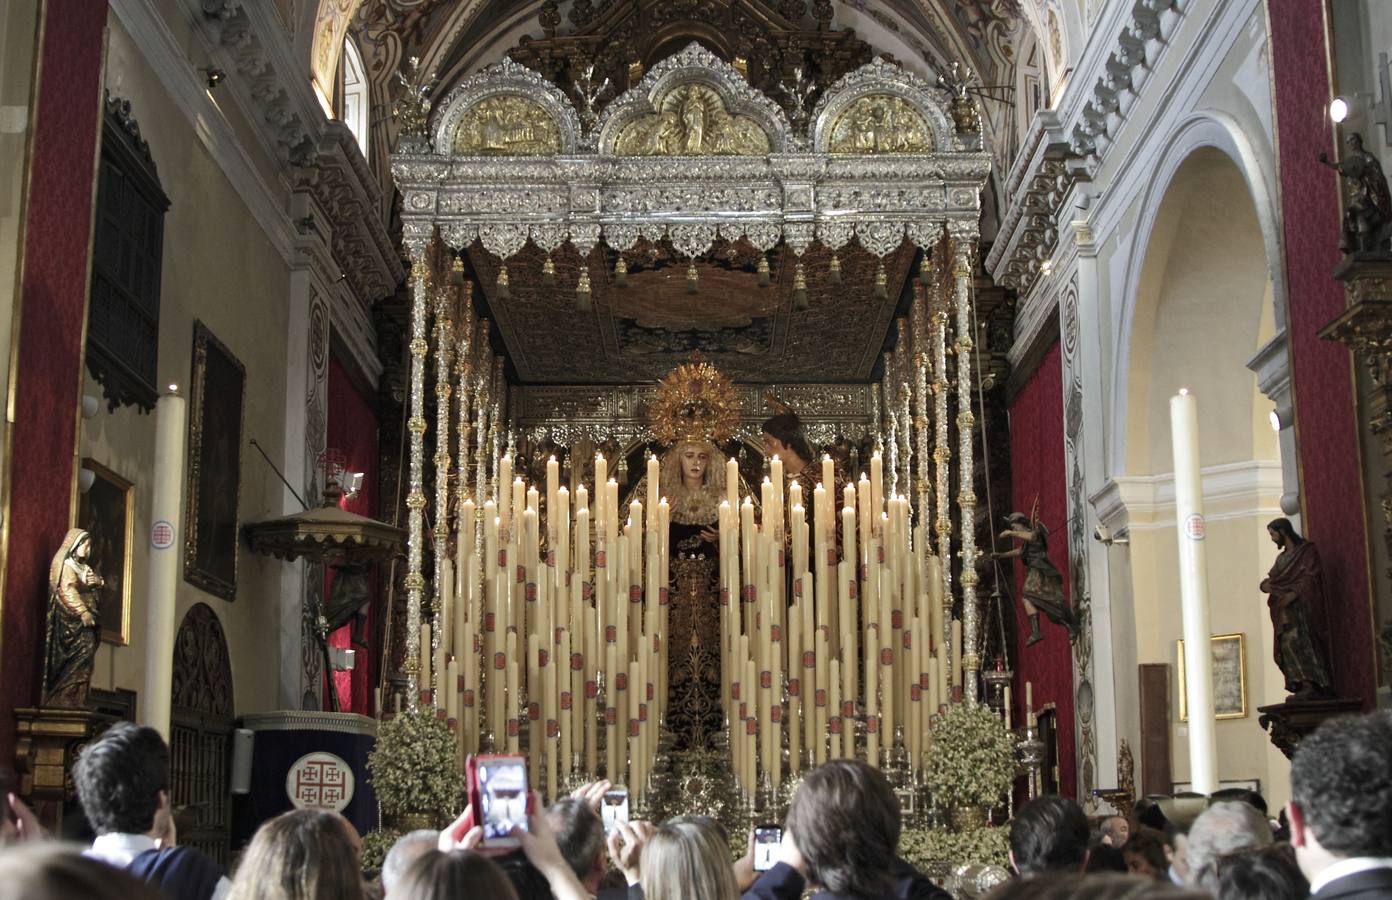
[(840, 840)]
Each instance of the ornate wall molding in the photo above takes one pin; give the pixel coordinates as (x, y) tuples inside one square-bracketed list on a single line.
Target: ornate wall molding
[(253, 42), (345, 189), (1067, 144)]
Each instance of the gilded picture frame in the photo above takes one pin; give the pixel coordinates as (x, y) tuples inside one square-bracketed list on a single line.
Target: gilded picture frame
[(1229, 677), (217, 395), (107, 512)]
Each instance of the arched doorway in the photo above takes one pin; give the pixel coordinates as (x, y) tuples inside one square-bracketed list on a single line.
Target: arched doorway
[(200, 733), (1202, 307)]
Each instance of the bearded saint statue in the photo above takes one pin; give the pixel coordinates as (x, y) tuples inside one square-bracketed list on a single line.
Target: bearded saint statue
[(1295, 598)]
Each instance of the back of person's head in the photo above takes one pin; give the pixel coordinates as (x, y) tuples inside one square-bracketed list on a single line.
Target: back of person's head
[(1145, 853), (1080, 886), (1267, 874), (527, 881), (119, 778), (579, 835), (845, 822), (1341, 785), (1105, 858), (304, 854), (1049, 834), (448, 876), (1242, 795), (1149, 814), (1223, 829), (688, 856), (407, 849), (52, 871)]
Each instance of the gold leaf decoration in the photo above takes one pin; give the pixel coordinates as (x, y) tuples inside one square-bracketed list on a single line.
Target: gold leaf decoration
[(696, 402), (880, 123), (506, 125), (692, 120)]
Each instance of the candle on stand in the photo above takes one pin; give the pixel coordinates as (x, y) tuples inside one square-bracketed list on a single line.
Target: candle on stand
[(511, 703), (732, 482), (876, 486), (653, 478), (1029, 704), (1193, 592), (1009, 719), (601, 477)]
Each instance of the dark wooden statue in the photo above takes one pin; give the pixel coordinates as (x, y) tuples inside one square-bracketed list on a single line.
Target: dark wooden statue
[(1368, 215), (1043, 589), (70, 643), (1295, 590)]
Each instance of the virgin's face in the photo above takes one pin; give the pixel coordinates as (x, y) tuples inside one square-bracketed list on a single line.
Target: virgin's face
[(82, 549), (694, 462)]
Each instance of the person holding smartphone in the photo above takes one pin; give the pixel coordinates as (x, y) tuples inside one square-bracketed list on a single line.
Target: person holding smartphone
[(842, 837), (536, 839)]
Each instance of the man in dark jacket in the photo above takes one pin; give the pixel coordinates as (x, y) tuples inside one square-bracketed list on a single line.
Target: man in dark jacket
[(842, 837), (1341, 808)]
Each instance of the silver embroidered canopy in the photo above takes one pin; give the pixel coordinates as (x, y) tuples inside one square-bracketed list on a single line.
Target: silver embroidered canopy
[(507, 161)]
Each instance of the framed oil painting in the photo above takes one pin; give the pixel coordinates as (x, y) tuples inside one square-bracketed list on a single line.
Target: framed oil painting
[(107, 512), (1229, 677), (216, 395)]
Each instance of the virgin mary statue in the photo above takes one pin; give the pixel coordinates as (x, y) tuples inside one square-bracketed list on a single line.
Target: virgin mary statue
[(694, 411)]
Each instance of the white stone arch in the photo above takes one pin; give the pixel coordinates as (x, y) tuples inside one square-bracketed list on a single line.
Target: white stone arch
[(1206, 129)]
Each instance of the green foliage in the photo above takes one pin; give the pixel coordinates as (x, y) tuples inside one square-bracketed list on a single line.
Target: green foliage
[(414, 767), (971, 761)]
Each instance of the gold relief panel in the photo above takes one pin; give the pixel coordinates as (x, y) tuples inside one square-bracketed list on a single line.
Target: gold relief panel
[(880, 123), (692, 120), (506, 125)]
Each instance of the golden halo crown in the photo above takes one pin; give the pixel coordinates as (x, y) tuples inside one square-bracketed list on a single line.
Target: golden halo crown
[(694, 402)]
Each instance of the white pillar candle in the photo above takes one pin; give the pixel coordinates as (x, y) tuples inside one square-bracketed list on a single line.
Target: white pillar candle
[(166, 549), (1193, 592)]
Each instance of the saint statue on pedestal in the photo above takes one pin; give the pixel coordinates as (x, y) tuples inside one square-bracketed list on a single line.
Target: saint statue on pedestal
[(70, 644), (1295, 598)]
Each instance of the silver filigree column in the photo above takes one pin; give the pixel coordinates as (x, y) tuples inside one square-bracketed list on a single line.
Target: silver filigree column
[(889, 434), (444, 369), (966, 496), (922, 484), (942, 457), (415, 496)]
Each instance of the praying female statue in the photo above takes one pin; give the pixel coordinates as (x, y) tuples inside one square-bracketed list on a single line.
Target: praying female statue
[(693, 481), (73, 631)]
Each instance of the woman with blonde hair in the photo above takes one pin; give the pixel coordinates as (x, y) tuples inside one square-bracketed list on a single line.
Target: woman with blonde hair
[(304, 854), (688, 856)]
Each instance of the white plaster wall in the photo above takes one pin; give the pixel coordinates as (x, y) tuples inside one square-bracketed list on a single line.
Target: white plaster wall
[(1210, 89), (218, 267)]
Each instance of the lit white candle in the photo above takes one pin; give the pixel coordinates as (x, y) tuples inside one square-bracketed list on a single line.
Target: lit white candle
[(1193, 592)]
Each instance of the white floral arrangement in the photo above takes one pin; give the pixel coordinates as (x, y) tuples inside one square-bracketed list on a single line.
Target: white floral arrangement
[(414, 767), (971, 760), (933, 849)]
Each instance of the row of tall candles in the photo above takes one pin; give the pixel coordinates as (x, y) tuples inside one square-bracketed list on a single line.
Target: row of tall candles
[(536, 637), (863, 636)]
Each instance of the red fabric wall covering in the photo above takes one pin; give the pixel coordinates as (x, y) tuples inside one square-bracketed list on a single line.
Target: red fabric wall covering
[(53, 304), (353, 431), (1331, 481), (1038, 471)]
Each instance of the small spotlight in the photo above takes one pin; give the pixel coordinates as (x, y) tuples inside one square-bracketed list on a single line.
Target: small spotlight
[(215, 76), (1339, 109)]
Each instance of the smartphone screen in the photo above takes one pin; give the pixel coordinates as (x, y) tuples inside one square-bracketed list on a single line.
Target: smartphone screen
[(767, 838), (614, 809), (502, 785)]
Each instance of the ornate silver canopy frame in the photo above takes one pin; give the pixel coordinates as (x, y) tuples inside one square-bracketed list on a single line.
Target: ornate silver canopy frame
[(694, 154), (507, 160)]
